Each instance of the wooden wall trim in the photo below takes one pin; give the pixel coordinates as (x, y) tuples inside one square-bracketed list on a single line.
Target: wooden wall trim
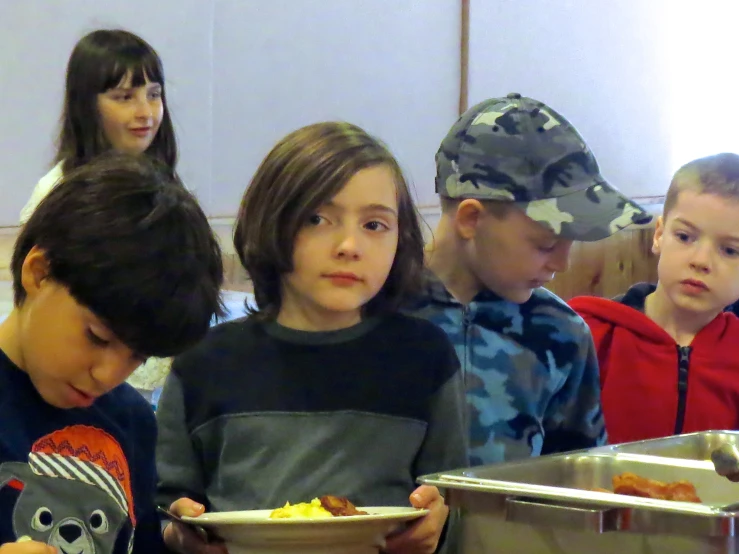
[(464, 56)]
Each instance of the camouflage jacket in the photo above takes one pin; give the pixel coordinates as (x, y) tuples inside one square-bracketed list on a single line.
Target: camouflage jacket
[(530, 371)]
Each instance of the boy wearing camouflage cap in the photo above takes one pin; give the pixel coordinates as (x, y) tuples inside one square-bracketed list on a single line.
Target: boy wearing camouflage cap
[(517, 185)]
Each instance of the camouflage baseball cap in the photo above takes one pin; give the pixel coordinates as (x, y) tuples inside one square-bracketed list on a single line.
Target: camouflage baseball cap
[(520, 150)]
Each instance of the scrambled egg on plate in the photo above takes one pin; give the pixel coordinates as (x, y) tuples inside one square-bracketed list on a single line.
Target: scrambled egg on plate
[(304, 510)]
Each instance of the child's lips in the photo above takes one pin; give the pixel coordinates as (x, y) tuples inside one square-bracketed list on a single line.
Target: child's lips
[(695, 283), (343, 279), (141, 131), (343, 275), (81, 398)]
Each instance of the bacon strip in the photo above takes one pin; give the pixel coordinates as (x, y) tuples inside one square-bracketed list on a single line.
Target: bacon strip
[(340, 506)]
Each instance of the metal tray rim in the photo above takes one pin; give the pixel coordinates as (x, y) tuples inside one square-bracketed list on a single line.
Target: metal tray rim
[(449, 480), (578, 496), (662, 441)]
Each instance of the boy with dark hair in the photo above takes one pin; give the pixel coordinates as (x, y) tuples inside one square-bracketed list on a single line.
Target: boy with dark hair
[(118, 263), (668, 363)]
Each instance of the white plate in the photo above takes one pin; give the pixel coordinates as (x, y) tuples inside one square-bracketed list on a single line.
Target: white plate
[(253, 532)]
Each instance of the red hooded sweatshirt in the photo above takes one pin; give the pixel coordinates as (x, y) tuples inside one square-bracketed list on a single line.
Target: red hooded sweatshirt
[(651, 387)]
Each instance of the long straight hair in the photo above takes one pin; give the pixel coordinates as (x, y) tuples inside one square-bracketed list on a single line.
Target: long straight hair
[(303, 171), (99, 62)]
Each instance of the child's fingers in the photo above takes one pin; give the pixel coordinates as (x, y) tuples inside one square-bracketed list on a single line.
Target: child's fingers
[(419, 538), (426, 496), (181, 538), (422, 536), (186, 507), (26, 545)]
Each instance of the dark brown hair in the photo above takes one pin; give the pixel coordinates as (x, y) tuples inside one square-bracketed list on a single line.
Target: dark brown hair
[(717, 174), (99, 62), (132, 245), (303, 171)]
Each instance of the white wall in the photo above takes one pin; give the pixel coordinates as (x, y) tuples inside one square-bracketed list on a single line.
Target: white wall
[(240, 74), (648, 83), (390, 66), (41, 35)]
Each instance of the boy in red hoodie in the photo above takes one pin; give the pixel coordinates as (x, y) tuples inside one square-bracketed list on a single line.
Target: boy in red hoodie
[(668, 352)]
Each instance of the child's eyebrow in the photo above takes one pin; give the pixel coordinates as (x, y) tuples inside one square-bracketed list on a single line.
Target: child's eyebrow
[(734, 238), (544, 234), (686, 223), (367, 208), (380, 208), (130, 88), (94, 320)]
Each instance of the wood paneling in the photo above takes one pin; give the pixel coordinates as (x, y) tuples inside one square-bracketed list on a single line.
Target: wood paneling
[(605, 268), (608, 267)]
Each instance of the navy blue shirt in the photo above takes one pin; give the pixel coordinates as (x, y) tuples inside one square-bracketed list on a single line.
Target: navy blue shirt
[(82, 480)]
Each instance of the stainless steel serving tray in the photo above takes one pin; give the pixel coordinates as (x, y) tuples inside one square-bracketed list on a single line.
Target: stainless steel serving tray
[(546, 505), (573, 476), (692, 446), (557, 491)]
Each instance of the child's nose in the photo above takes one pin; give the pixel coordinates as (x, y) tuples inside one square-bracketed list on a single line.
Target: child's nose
[(560, 258), (701, 259), (144, 109), (112, 369), (348, 245)]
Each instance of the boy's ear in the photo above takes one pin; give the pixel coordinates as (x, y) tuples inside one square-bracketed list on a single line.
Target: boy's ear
[(659, 231), (34, 270), (467, 217)]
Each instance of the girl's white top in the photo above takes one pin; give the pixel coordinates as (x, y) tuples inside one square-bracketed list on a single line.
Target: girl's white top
[(43, 187)]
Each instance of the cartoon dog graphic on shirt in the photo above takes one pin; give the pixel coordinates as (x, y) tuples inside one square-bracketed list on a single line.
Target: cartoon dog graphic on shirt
[(75, 493)]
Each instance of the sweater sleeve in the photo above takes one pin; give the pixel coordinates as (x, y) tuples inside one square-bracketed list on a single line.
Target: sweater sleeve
[(148, 535), (149, 538), (178, 465), (574, 418), (445, 444)]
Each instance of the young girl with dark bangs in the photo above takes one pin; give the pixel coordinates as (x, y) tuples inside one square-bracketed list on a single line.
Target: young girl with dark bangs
[(326, 389), (114, 99)]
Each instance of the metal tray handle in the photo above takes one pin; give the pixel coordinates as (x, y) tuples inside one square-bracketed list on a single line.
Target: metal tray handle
[(579, 518)]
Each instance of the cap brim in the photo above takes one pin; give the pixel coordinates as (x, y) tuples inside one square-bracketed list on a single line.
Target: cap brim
[(588, 215)]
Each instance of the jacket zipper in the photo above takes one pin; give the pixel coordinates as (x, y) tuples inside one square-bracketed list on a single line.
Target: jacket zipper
[(466, 321), (683, 364)]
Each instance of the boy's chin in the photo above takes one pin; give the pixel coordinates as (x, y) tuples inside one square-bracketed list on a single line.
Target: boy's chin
[(517, 296), (57, 401), (59, 396), (700, 309)]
